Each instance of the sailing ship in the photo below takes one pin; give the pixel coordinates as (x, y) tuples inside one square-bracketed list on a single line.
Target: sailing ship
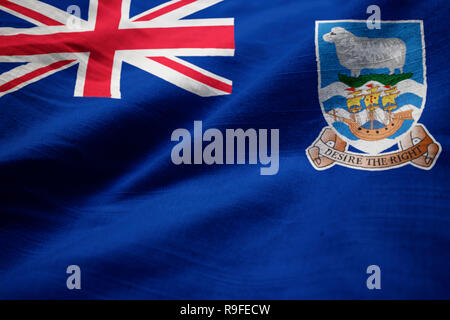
[(375, 100)]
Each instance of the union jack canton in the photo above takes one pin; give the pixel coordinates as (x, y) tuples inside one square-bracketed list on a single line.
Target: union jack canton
[(151, 41)]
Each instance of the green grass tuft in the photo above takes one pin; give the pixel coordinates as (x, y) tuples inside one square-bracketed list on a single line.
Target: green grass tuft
[(385, 79)]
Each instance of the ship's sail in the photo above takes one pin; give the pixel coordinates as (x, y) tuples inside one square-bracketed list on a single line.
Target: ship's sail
[(390, 90), (372, 99), (354, 102), (388, 101)]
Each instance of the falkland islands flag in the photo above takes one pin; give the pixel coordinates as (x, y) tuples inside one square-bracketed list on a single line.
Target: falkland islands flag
[(121, 169)]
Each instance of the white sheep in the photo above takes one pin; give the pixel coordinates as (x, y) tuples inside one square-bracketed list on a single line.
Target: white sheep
[(356, 54)]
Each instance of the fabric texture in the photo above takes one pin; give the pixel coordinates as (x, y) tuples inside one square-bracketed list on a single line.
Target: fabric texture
[(90, 182)]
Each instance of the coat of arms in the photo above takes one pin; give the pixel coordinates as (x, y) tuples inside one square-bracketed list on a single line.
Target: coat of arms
[(372, 90)]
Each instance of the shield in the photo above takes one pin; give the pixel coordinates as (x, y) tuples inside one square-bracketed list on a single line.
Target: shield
[(372, 82)]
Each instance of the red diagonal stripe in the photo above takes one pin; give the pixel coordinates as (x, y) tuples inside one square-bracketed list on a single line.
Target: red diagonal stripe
[(30, 13), (163, 11), (194, 74), (36, 73)]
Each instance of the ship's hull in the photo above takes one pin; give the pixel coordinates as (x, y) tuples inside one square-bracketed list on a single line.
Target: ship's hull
[(381, 133)]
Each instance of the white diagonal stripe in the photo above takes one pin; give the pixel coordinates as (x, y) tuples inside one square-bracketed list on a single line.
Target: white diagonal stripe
[(179, 13), (172, 76), (203, 71), (25, 69), (44, 9)]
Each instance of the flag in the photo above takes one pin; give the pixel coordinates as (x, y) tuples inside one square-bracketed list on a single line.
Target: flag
[(92, 93)]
